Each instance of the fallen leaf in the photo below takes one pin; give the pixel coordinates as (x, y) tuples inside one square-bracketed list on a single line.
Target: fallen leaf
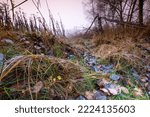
[(144, 79), (129, 82), (105, 91), (112, 88), (37, 87), (98, 95), (89, 95), (69, 88), (113, 91), (124, 90), (101, 83), (146, 84), (137, 92), (114, 77)]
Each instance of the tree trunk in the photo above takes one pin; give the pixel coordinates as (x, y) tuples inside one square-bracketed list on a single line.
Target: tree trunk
[(131, 10), (141, 4)]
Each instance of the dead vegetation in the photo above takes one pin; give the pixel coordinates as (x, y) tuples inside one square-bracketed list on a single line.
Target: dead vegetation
[(36, 64), (121, 44), (55, 75)]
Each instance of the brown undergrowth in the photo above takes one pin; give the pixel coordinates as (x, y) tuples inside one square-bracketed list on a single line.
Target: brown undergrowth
[(129, 46), (25, 74)]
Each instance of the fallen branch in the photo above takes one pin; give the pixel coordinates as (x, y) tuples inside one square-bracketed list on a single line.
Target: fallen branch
[(91, 24), (123, 23)]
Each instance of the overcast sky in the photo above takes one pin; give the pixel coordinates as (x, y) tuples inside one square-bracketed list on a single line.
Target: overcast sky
[(71, 11)]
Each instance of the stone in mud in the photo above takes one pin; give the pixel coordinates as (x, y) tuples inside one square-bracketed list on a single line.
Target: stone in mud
[(106, 71), (100, 96), (135, 75), (106, 68), (94, 68), (1, 59), (37, 47), (50, 53), (26, 42), (7, 41), (89, 59), (92, 60), (114, 77), (80, 98), (71, 56)]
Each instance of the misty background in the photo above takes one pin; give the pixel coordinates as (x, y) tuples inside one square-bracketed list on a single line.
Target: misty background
[(71, 12)]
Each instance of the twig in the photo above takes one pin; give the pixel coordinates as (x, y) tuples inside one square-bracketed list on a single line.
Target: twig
[(29, 76), (40, 13), (18, 5)]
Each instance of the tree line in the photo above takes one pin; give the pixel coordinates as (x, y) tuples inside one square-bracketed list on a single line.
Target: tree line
[(120, 12)]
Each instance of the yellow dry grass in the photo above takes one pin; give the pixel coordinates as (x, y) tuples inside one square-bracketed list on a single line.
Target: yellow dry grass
[(121, 47), (104, 50), (69, 69)]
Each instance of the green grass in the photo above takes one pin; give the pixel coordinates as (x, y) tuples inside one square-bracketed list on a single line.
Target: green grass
[(88, 84), (129, 96), (57, 51), (10, 51)]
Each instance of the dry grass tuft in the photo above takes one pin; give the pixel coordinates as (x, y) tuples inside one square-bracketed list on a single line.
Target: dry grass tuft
[(120, 45), (56, 74), (104, 51), (123, 53)]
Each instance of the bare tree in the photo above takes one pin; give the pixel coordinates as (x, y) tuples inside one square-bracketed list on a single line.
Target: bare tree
[(13, 12), (118, 11), (141, 4)]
